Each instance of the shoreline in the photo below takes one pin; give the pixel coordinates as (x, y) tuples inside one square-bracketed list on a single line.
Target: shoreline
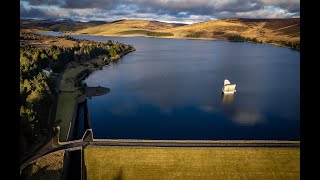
[(160, 37), (177, 37), (88, 68), (188, 38)]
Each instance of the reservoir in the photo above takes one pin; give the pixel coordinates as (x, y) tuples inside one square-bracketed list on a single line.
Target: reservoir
[(172, 89)]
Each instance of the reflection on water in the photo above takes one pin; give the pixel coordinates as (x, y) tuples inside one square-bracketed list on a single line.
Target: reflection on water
[(247, 118), (227, 98), (241, 115)]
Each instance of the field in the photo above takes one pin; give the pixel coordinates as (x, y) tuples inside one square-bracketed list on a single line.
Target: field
[(191, 163), (43, 41), (66, 102)]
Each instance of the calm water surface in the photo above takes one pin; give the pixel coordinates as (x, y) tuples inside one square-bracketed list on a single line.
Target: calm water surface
[(171, 89)]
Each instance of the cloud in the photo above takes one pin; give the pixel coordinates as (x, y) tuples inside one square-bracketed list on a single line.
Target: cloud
[(292, 6), (200, 6), (32, 12), (84, 4), (44, 2), (267, 12), (164, 10)]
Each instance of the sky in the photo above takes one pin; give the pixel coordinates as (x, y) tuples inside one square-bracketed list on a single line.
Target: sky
[(181, 11)]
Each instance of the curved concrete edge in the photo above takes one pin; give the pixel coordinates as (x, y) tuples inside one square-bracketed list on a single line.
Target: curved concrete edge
[(191, 143), (88, 137), (196, 144), (200, 141)]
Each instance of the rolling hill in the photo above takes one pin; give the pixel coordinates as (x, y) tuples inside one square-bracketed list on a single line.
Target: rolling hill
[(128, 28), (281, 32), (262, 29), (62, 25)]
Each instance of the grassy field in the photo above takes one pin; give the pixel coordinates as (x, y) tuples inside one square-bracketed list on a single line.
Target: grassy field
[(47, 167), (45, 41), (66, 102), (191, 163)]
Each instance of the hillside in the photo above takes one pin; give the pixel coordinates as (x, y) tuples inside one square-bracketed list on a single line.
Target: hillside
[(262, 29), (57, 25), (129, 28), (281, 32), (44, 41)]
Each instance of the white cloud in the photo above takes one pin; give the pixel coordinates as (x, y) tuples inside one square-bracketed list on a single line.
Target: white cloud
[(187, 11), (266, 12)]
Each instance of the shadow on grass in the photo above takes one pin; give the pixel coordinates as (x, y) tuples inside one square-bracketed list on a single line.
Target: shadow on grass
[(119, 175), (133, 32)]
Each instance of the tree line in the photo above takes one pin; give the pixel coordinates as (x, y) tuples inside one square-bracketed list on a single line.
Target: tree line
[(239, 38), (289, 44), (159, 34)]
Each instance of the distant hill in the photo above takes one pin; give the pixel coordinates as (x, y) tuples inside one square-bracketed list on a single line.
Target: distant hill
[(63, 25), (97, 22), (129, 28), (59, 20), (262, 29)]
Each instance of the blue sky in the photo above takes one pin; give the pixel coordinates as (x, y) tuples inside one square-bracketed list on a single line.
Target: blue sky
[(185, 11)]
